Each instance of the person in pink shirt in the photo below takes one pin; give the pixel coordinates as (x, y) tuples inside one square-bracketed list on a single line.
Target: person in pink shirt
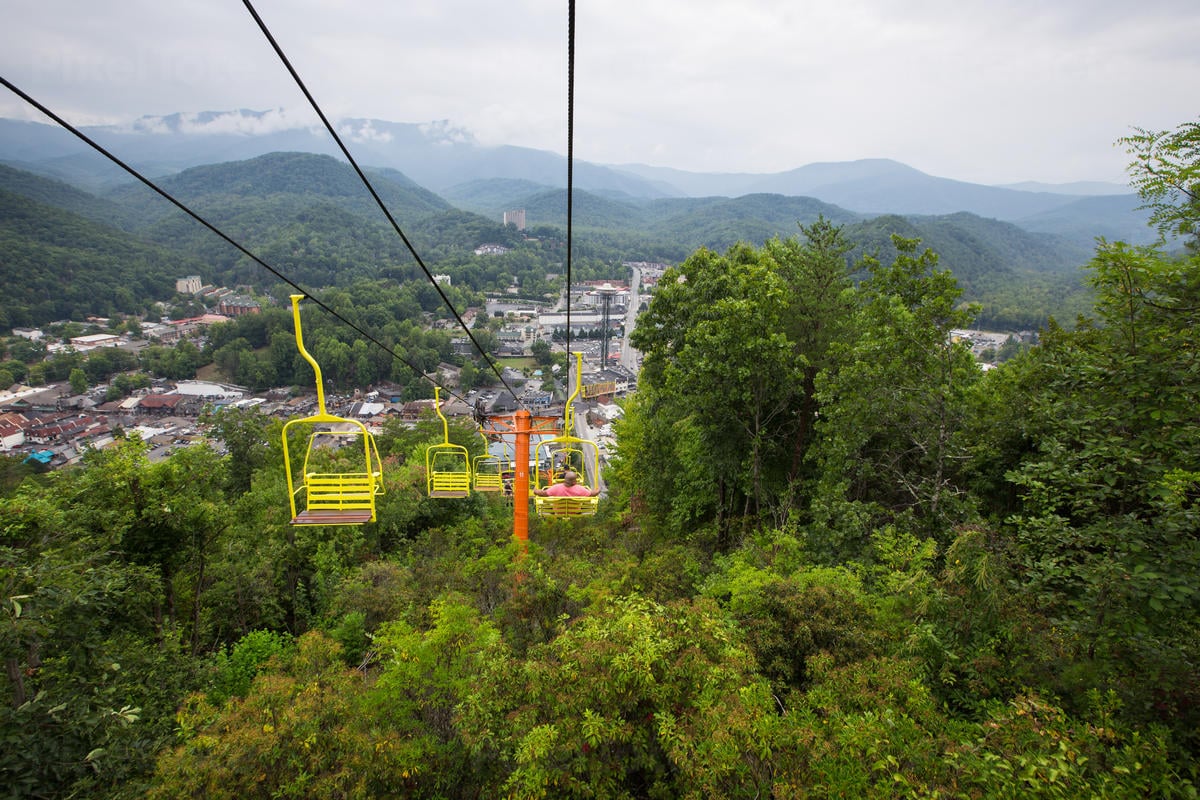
[(570, 487)]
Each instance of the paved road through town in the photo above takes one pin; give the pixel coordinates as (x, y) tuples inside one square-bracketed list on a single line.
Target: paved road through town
[(630, 357)]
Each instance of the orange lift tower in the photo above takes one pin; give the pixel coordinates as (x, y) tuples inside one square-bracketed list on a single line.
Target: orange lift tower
[(521, 425)]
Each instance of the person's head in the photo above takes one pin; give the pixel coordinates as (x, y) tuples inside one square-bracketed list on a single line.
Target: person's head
[(570, 478)]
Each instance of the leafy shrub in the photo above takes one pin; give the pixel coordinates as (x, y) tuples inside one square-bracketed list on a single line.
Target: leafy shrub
[(633, 699), (789, 618), (1029, 748), (304, 730), (351, 634), (236, 670)]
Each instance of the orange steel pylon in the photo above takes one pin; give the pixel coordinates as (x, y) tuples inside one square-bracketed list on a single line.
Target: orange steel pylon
[(521, 425)]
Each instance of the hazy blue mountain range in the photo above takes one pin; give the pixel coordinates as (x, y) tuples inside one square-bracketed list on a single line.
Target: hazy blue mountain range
[(871, 186), (444, 159), (1115, 217), (309, 216), (1082, 188)]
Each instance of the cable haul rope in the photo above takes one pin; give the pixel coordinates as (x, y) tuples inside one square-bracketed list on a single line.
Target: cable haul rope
[(374, 194)]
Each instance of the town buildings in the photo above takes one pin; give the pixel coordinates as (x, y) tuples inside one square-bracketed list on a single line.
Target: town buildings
[(515, 218)]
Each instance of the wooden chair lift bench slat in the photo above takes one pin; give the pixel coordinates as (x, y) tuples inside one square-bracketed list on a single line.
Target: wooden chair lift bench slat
[(313, 516)]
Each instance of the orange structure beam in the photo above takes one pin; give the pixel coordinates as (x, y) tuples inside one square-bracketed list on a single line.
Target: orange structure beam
[(521, 477), (521, 425)]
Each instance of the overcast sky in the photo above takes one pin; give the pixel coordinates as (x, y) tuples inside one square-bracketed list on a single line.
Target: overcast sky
[(989, 91)]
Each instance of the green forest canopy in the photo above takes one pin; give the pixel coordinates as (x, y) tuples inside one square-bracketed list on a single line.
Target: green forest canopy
[(865, 569)]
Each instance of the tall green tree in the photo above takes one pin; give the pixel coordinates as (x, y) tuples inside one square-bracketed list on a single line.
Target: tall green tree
[(717, 321), (1100, 460), (78, 381), (92, 674), (1110, 480), (893, 407), (165, 515), (244, 434), (817, 270), (726, 404)]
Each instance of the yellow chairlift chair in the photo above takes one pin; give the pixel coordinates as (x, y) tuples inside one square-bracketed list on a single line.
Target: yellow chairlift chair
[(487, 470), (331, 497), (563, 452), (447, 465)]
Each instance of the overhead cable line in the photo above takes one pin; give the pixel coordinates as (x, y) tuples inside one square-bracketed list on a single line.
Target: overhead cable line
[(185, 209), (370, 188), (570, 150)]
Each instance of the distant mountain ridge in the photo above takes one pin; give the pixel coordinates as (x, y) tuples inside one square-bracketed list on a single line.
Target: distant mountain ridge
[(308, 215), (302, 184), (1081, 188), (868, 186), (296, 174), (442, 157)]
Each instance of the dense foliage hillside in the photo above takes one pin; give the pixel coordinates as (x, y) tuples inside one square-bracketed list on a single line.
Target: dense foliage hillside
[(56, 265), (718, 223), (313, 242), (66, 197), (1016, 277)]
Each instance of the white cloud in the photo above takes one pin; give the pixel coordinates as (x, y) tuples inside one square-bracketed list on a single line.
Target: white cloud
[(364, 132), (231, 122)]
